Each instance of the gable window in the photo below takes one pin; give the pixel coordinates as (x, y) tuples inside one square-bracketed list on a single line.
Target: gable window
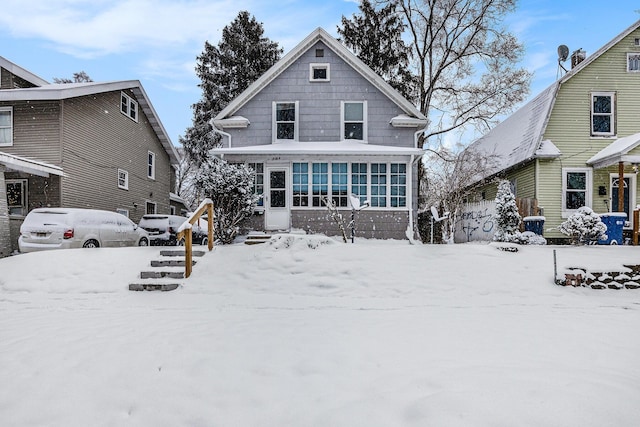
[(602, 114), (128, 106), (151, 165), (17, 196), (576, 189), (285, 121), (150, 207), (123, 179), (6, 126), (319, 72), (633, 62), (258, 181), (354, 120)]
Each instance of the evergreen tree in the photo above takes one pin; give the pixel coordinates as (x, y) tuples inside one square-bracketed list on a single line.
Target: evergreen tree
[(241, 57), (584, 227), (507, 216), (230, 187), (375, 36)]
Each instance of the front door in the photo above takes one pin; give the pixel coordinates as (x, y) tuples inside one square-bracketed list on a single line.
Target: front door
[(628, 183), (277, 199)]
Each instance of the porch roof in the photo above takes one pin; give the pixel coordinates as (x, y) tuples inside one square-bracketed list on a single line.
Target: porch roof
[(616, 152), (31, 166), (338, 148)]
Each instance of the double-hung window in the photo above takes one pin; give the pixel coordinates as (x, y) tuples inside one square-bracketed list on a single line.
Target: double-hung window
[(285, 121), (633, 62), (354, 120), (379, 185), (128, 106), (576, 189), (17, 196), (398, 185), (123, 179), (6, 126), (319, 183), (602, 113), (151, 165), (300, 184)]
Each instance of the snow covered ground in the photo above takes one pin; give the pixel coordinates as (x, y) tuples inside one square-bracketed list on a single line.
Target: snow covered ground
[(299, 333)]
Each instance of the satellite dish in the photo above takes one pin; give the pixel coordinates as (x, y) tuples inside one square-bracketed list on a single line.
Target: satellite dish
[(563, 53), (355, 201)]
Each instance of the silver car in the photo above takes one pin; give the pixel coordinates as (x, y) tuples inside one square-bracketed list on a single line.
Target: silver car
[(63, 228)]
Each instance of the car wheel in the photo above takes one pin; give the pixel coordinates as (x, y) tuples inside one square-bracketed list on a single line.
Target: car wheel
[(91, 243), (205, 241), (143, 242)]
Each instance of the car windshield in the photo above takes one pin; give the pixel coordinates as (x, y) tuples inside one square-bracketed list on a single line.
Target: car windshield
[(46, 218)]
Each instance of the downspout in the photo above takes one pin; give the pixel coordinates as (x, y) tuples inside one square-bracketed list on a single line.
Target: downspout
[(220, 131)]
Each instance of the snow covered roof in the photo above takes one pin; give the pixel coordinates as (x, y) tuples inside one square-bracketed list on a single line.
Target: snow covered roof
[(518, 138), (345, 54), (328, 148), (31, 166), (547, 150), (22, 73), (72, 90), (616, 152)]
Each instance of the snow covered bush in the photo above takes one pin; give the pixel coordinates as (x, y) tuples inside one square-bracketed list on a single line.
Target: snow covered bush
[(230, 187), (584, 227), (507, 216)]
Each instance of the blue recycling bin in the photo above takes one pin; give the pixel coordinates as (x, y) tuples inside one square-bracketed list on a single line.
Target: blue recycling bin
[(615, 225), (534, 224)]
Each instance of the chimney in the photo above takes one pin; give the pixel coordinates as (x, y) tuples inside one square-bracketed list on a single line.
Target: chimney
[(577, 57)]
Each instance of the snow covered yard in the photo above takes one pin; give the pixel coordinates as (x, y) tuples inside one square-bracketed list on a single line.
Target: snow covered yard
[(300, 333)]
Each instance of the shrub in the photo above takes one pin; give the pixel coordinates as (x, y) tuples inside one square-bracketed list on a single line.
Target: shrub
[(584, 227)]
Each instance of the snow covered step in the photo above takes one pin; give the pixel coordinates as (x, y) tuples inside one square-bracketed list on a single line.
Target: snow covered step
[(171, 263), (162, 274), (180, 252), (153, 286), (254, 239)]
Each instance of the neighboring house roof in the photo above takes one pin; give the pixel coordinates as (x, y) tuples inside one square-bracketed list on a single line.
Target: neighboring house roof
[(31, 166), (617, 151), (72, 90), (22, 73), (339, 148), (518, 138), (345, 54)]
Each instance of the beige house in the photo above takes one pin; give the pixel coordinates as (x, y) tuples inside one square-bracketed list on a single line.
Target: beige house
[(82, 145), (577, 141)]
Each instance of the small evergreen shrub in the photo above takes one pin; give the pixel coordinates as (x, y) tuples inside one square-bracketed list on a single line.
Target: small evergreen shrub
[(584, 227)]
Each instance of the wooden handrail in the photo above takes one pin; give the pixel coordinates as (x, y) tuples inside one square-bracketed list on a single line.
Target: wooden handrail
[(205, 206)]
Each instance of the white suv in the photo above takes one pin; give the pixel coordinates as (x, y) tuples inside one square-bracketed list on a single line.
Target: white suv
[(63, 228)]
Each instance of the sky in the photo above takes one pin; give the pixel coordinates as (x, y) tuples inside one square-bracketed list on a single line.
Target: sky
[(157, 41), (309, 331)]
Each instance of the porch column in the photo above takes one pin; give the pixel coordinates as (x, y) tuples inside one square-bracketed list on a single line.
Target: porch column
[(621, 188), (5, 232)]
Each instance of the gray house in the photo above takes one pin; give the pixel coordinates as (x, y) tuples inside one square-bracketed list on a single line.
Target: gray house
[(83, 145), (321, 124)]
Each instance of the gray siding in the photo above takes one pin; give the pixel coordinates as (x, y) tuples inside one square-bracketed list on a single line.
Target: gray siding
[(98, 140), (319, 105), (9, 80)]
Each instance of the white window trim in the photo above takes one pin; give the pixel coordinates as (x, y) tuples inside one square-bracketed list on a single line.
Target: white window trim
[(613, 115), (132, 105), (274, 124), (364, 120), (155, 207), (10, 143), (588, 200), (151, 165), (25, 192), (124, 186), (124, 212), (632, 192), (319, 65), (388, 196), (629, 54)]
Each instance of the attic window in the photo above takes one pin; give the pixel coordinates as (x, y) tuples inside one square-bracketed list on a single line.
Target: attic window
[(633, 62), (319, 72), (128, 106), (320, 53), (636, 42)]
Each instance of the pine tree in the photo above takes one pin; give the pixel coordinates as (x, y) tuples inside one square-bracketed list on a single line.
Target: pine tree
[(375, 36), (507, 216), (241, 57)]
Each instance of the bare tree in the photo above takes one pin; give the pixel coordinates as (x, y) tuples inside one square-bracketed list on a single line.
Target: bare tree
[(447, 182), (79, 77), (466, 62), (185, 180)]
